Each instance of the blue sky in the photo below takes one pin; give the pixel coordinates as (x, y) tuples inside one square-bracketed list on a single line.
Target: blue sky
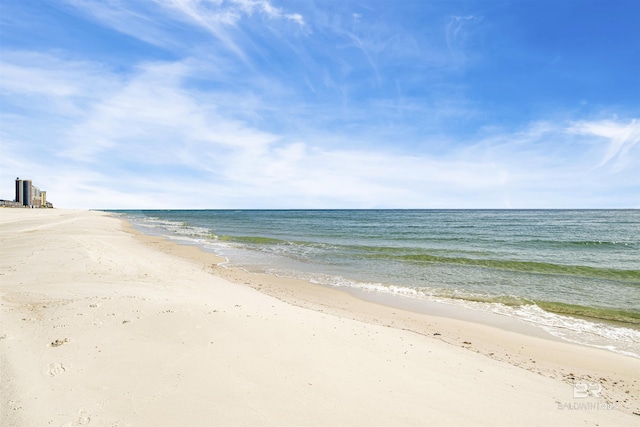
[(322, 104)]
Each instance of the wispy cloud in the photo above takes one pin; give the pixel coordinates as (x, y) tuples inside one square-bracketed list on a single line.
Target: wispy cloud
[(458, 32), (218, 17), (266, 8), (620, 138), (153, 119), (140, 133), (250, 103), (159, 22), (141, 22)]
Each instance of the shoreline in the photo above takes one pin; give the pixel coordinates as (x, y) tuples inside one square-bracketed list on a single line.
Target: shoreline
[(397, 301), (561, 313), (501, 338), (102, 324), (545, 323)]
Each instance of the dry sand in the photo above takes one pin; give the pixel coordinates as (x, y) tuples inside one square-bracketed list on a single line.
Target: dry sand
[(103, 326)]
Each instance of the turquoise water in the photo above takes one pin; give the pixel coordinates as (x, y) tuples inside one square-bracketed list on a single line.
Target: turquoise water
[(575, 273)]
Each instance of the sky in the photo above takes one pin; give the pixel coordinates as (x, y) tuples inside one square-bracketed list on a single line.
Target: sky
[(285, 104)]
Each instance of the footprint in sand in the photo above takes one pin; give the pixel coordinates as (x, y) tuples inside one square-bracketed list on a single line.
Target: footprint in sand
[(83, 418), (56, 369), (59, 342)]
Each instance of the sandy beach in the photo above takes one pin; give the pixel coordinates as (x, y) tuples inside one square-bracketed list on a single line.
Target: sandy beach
[(103, 326)]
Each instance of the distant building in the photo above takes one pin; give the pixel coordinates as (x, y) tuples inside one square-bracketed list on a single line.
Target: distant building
[(10, 204), (24, 191), (29, 195), (19, 194)]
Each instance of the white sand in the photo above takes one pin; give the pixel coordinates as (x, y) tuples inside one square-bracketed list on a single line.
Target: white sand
[(100, 328)]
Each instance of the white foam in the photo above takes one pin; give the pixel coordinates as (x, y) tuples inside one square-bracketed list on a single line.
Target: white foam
[(617, 339)]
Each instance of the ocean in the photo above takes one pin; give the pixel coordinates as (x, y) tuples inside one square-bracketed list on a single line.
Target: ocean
[(573, 273)]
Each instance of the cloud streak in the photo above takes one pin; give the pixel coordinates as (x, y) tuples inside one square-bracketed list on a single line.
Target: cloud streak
[(621, 138), (458, 31), (153, 125), (251, 104)]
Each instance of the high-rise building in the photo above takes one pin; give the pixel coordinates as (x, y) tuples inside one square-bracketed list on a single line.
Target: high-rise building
[(27, 192), (24, 191), (19, 195)]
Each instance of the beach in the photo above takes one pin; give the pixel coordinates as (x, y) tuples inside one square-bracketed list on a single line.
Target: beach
[(102, 325)]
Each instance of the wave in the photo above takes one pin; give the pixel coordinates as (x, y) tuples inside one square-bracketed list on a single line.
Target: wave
[(526, 266), (627, 317), (258, 240), (615, 330), (581, 243), (352, 250), (508, 300), (179, 228), (471, 258), (630, 318), (607, 314)]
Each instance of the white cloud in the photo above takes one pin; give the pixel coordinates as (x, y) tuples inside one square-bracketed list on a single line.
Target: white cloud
[(53, 78), (152, 119), (142, 23), (458, 32), (156, 22), (621, 138), (267, 9), (218, 17), (295, 17), (151, 140)]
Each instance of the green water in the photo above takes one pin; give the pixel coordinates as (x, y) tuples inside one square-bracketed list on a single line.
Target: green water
[(581, 264)]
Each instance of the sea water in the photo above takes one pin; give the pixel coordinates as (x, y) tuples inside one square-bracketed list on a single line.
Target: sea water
[(573, 273)]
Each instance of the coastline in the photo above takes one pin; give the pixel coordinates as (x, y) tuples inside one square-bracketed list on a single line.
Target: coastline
[(192, 346), (456, 257), (498, 337)]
